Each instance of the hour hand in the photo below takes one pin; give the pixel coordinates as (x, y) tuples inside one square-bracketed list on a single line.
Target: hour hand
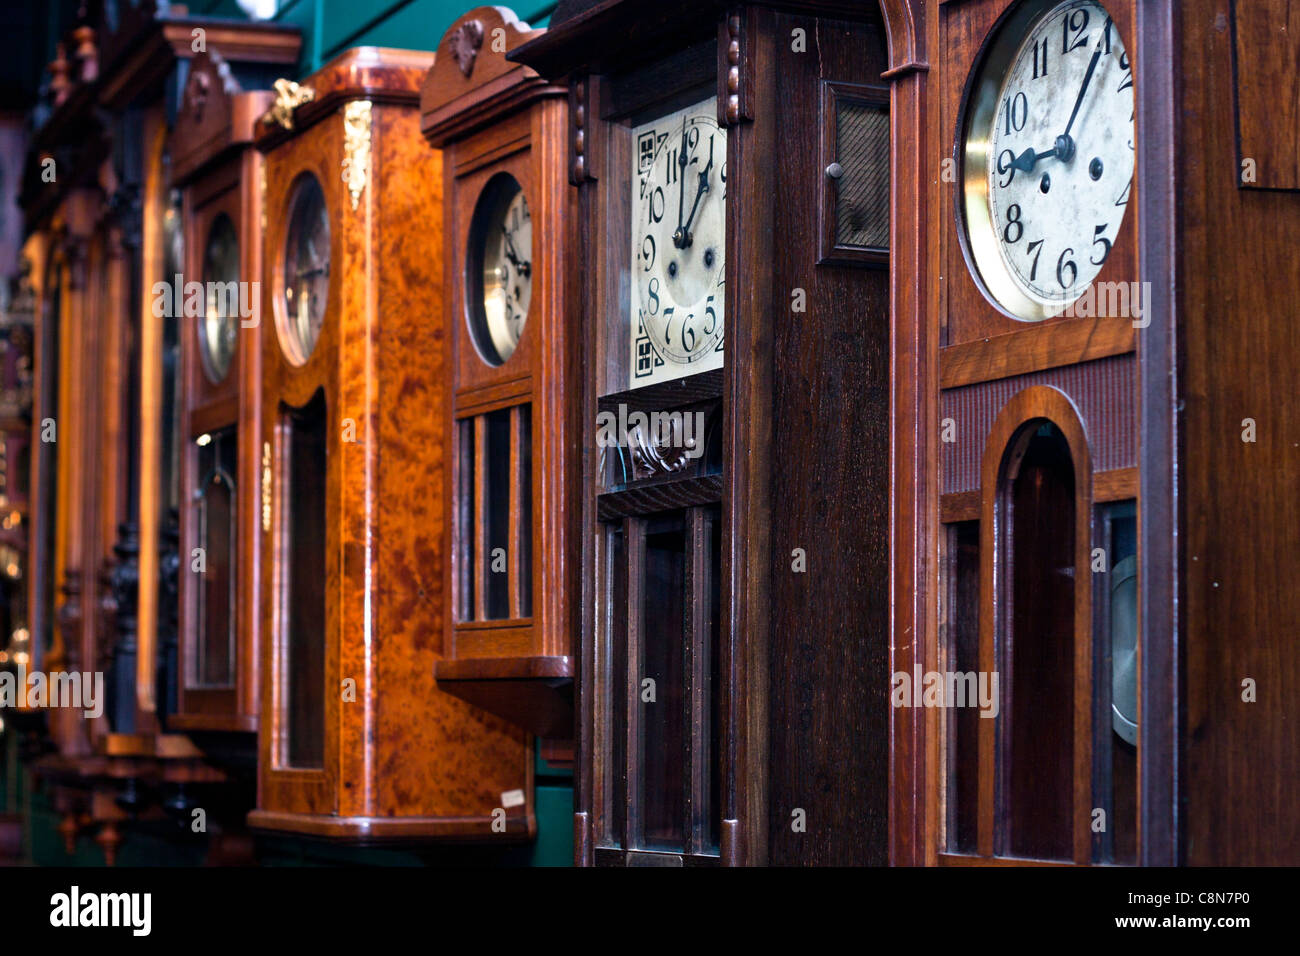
[(1027, 160), (524, 268)]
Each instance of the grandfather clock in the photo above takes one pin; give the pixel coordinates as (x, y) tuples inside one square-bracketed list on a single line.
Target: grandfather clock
[(1111, 464), (513, 379), (357, 742), (219, 171), (1037, 318), (733, 168)]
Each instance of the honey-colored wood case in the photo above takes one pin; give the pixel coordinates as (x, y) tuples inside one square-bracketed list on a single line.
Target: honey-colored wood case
[(355, 461), (493, 119)]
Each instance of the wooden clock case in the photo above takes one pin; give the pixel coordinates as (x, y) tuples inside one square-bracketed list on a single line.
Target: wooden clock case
[(103, 550), (397, 758), (1158, 412), (803, 472), (219, 172), (490, 117), (998, 379)]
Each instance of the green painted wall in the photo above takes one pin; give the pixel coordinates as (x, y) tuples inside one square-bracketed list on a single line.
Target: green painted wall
[(331, 26)]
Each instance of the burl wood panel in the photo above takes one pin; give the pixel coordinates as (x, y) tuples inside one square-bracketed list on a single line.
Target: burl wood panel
[(1240, 515), (829, 639), (436, 751), (404, 760)]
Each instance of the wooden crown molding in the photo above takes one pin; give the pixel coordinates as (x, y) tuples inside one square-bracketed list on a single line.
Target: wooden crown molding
[(378, 74), (146, 47), (472, 83), (215, 115)]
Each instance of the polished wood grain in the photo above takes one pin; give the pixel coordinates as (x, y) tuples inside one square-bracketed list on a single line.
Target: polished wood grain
[(404, 757), (491, 117), (1237, 510), (1266, 79)]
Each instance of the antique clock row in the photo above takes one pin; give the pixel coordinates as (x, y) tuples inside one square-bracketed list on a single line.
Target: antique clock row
[(381, 552), (716, 364)]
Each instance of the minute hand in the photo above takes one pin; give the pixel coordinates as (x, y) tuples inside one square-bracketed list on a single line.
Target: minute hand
[(1087, 79), (699, 194)]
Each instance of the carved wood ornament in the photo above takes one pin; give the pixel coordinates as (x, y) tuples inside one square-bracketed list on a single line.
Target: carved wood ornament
[(289, 96)]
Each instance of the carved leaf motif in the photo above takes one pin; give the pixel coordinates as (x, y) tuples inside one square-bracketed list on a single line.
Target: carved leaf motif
[(356, 148), (465, 44), (288, 97)]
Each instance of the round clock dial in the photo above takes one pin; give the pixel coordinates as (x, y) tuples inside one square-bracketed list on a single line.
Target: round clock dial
[(1048, 155), (306, 269), (678, 244), (219, 325), (499, 268)]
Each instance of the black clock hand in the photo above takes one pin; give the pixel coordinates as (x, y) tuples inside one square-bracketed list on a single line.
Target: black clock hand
[(679, 237), (1063, 149), (699, 194), (1027, 160), (524, 267), (1065, 145)]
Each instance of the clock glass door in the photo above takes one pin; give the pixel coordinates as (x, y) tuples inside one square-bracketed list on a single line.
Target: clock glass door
[(219, 325), (306, 268)]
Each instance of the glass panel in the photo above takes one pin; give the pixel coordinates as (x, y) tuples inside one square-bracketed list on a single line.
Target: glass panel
[(662, 737), (48, 462), (962, 647), (614, 701), (500, 553), (213, 657), (306, 270), (304, 505), (711, 758), (1038, 662), (1116, 682), (465, 520), (525, 547)]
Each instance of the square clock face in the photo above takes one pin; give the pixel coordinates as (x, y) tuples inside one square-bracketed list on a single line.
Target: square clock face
[(678, 255)]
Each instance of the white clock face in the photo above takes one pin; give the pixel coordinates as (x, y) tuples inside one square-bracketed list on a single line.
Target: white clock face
[(679, 193), (501, 255), (1049, 156)]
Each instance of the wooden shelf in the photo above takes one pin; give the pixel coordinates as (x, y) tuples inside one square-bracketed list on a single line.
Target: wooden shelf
[(535, 693), (366, 831), (659, 496)]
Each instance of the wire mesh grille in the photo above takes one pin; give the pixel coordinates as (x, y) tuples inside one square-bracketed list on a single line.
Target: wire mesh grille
[(862, 199)]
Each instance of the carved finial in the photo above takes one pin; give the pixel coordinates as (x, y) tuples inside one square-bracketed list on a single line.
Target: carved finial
[(87, 56), (465, 43), (59, 83), (196, 94), (199, 86), (288, 97)]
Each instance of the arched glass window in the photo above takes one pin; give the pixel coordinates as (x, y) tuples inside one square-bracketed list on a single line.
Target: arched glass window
[(1036, 629), (213, 662)]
